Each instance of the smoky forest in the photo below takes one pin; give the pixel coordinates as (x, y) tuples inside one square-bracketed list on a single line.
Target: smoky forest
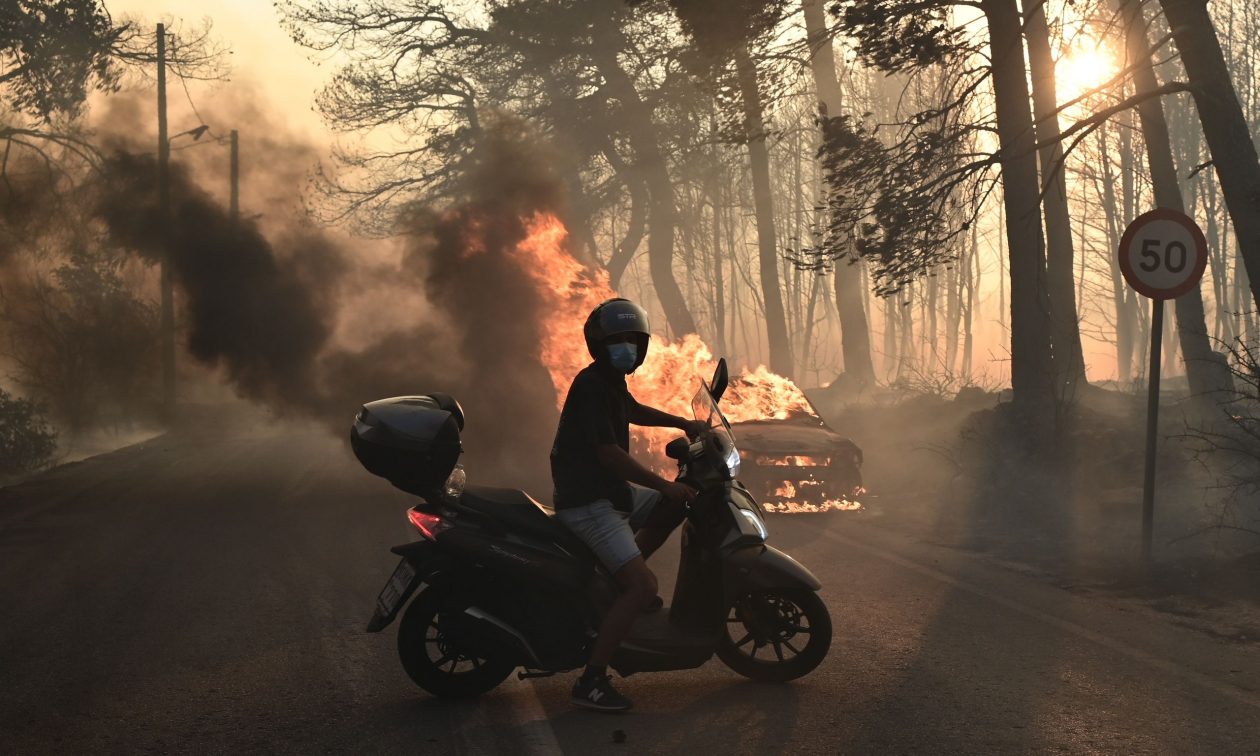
[(901, 218)]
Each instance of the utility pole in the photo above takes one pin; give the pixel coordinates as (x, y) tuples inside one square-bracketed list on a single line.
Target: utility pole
[(234, 204), (164, 214)]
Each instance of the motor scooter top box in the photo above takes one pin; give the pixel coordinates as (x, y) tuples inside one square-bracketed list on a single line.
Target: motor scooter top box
[(411, 441)]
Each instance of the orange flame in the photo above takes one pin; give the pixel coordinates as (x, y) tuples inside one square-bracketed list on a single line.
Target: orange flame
[(793, 461), (794, 507), (672, 371), (785, 499), (569, 289), (760, 394)]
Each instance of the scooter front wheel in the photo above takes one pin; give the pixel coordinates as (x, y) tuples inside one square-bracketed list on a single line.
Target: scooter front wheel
[(435, 661), (776, 635)]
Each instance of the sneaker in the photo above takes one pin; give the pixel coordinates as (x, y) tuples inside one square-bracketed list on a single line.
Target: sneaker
[(655, 606), (598, 693)]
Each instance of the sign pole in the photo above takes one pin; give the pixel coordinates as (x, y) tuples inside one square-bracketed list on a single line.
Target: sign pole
[(1152, 424), (1162, 255)]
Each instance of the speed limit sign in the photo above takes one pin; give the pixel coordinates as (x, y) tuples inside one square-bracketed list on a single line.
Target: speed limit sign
[(1163, 254)]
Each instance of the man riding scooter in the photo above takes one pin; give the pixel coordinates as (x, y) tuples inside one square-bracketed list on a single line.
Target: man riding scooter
[(619, 508)]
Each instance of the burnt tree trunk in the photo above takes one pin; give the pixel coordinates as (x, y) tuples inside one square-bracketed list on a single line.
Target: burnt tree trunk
[(624, 252), (662, 215), (1224, 126), (908, 353), (1204, 372), (972, 277), (1124, 319), (1032, 364), (1219, 262), (1068, 358), (1138, 314), (855, 336), (763, 204), (890, 359), (953, 296), (931, 331), (719, 293)]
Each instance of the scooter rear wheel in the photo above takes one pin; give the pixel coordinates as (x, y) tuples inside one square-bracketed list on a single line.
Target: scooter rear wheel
[(435, 662), (776, 635)]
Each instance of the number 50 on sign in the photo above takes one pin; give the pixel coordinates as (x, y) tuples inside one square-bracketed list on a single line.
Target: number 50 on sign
[(1163, 254)]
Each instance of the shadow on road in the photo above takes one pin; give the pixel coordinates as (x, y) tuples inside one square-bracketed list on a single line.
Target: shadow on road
[(969, 683), (736, 717)]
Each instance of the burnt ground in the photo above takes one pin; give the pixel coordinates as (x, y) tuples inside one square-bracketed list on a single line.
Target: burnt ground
[(957, 472)]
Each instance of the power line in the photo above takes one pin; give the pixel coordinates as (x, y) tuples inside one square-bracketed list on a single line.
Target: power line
[(183, 83), (216, 138)]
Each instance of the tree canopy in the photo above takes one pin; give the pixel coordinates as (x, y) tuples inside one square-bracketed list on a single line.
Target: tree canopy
[(53, 53)]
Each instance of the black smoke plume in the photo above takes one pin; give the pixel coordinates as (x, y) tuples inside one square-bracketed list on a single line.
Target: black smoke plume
[(265, 316), (492, 303), (246, 312)]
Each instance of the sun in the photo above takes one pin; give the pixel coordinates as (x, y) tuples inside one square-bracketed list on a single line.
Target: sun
[(1082, 68)]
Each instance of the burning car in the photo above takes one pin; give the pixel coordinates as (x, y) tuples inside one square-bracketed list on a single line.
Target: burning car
[(792, 460), (797, 463)]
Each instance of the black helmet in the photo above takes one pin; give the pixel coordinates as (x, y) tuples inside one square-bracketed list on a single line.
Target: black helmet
[(613, 317)]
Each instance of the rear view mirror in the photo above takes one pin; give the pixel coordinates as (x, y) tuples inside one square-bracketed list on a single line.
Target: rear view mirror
[(677, 449), (719, 382)]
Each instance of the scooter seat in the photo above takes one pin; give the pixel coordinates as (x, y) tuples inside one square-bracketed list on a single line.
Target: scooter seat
[(517, 511)]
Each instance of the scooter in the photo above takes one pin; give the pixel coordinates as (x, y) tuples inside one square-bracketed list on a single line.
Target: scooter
[(500, 584)]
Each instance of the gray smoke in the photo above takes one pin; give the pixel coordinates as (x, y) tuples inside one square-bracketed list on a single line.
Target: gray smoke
[(262, 310)]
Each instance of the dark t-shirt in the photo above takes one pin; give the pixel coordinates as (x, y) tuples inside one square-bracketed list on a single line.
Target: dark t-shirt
[(595, 412)]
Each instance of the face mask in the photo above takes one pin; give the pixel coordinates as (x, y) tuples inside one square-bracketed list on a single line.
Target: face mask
[(623, 356)]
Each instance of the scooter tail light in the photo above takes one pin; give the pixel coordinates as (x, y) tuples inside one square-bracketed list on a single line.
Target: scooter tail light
[(429, 525)]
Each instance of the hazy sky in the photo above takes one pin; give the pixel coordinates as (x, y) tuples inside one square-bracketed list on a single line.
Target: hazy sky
[(264, 59)]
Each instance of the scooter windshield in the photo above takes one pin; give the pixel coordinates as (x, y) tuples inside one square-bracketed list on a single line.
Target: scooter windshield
[(706, 410)]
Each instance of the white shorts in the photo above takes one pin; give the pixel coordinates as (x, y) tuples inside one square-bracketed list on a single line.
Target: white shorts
[(608, 532)]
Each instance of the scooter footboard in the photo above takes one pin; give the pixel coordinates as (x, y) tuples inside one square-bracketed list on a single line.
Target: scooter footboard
[(765, 567)]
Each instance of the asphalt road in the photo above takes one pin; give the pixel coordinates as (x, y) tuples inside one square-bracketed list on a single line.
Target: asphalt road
[(209, 593)]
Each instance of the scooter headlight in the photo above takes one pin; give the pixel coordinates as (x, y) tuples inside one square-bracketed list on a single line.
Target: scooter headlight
[(732, 462), (749, 522)]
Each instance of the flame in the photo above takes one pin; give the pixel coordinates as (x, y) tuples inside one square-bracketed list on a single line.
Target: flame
[(795, 507), (569, 289), (784, 499), (793, 461), (760, 394), (671, 373)]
